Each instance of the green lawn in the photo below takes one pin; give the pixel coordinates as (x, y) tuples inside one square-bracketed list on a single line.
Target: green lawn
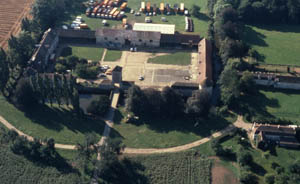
[(113, 55), (162, 133), (45, 122), (89, 53), (276, 103), (170, 168), (177, 58), (277, 44)]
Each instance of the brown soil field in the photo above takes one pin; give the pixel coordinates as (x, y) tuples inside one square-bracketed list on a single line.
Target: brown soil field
[(222, 175), (11, 14)]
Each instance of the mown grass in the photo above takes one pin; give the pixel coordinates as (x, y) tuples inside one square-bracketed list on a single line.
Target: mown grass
[(176, 58), (89, 53), (278, 44), (51, 122), (17, 169), (182, 167), (112, 55), (276, 103), (163, 133)]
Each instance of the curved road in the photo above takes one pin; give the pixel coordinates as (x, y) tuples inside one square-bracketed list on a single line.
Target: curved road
[(239, 123)]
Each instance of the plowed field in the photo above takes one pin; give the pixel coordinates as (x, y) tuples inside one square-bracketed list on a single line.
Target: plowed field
[(11, 14)]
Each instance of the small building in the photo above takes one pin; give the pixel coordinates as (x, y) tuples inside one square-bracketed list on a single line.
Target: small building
[(48, 44), (205, 64), (162, 28), (117, 38), (117, 74), (284, 136)]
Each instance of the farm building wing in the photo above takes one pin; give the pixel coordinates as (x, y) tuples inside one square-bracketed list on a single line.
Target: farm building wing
[(162, 28)]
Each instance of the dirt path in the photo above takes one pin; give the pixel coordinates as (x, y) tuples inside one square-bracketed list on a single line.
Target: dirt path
[(109, 123)]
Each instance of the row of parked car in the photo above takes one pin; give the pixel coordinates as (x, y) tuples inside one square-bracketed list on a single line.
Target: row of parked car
[(107, 9)]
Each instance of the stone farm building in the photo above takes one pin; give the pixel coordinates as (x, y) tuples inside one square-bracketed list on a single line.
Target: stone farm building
[(116, 38), (284, 136)]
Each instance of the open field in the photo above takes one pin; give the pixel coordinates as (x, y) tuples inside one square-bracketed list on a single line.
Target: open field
[(277, 44), (17, 169), (11, 14), (163, 133), (87, 52), (51, 122), (200, 23), (177, 58), (184, 167), (112, 55), (276, 103)]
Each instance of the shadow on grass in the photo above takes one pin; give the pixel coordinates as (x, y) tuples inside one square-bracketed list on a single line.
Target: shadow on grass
[(285, 28), (73, 8), (185, 124), (258, 169), (55, 118), (253, 37), (203, 16)]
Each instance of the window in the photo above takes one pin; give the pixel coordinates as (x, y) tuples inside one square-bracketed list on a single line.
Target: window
[(151, 41), (116, 38), (105, 38), (140, 40)]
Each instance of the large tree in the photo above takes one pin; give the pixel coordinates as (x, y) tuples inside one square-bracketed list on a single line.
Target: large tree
[(24, 94), (136, 100), (173, 102), (99, 106), (4, 70), (198, 104)]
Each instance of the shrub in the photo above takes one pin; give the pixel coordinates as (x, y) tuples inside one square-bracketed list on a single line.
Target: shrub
[(270, 178), (248, 178)]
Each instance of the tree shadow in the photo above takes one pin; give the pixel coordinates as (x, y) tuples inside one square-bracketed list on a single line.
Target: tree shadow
[(203, 16), (257, 169), (57, 119), (253, 37), (203, 127), (72, 9), (118, 117), (285, 28)]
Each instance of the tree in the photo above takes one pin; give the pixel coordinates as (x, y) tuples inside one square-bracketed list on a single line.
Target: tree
[(24, 94), (154, 101), (46, 13), (60, 68), (195, 10), (248, 178), (244, 157), (199, 103), (99, 106), (173, 104), (72, 61), (270, 178), (295, 167), (136, 100), (247, 84), (230, 86), (4, 70), (88, 147)]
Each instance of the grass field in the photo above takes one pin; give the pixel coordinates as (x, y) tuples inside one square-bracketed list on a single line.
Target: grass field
[(17, 169), (277, 44), (284, 157), (113, 55), (276, 103), (182, 167), (177, 58), (200, 24), (89, 53), (45, 122), (162, 133)]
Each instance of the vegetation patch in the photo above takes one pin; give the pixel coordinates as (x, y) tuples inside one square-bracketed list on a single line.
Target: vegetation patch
[(89, 53), (162, 133), (176, 58), (274, 103), (112, 55), (182, 167), (277, 44), (44, 121)]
